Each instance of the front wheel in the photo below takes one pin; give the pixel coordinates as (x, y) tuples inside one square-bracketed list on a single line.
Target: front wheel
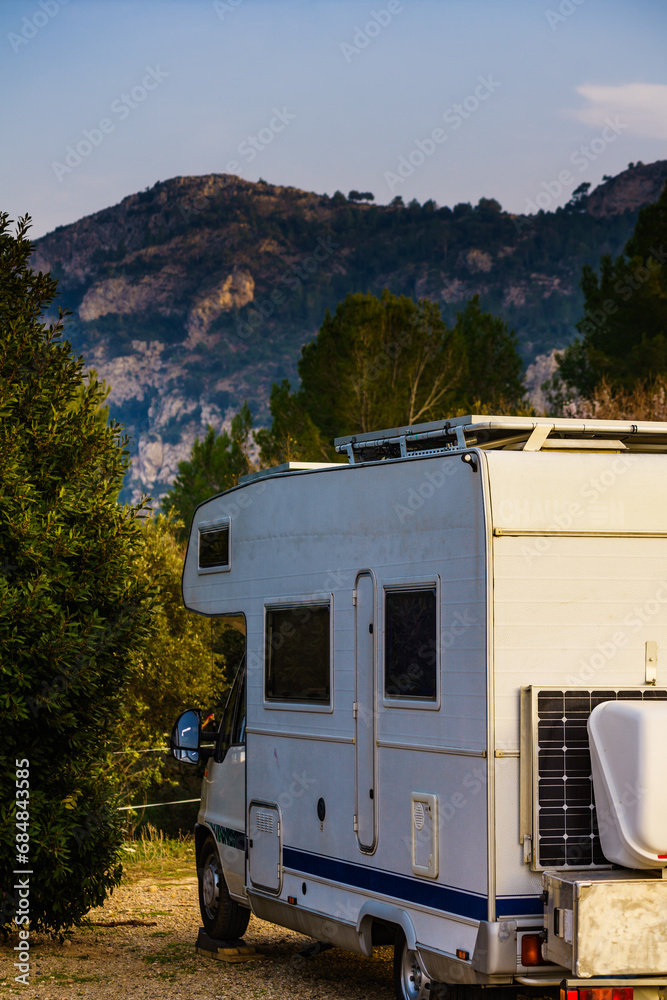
[(222, 917), (410, 980)]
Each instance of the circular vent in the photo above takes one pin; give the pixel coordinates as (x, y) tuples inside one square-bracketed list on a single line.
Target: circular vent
[(419, 815)]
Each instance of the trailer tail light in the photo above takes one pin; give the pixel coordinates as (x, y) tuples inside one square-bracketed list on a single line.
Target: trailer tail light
[(531, 951), (598, 993)]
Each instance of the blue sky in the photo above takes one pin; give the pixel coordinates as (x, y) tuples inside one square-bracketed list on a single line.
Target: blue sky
[(327, 94)]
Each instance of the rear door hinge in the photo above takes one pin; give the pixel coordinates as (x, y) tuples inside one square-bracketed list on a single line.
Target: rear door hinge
[(355, 709), (355, 824)]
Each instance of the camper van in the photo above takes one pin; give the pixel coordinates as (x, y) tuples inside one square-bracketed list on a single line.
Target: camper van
[(448, 731)]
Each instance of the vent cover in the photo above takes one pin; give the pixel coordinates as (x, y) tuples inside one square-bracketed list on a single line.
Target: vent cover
[(565, 831), (264, 821), (424, 809)]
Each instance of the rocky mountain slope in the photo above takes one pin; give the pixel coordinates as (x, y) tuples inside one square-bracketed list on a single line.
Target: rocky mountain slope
[(197, 294)]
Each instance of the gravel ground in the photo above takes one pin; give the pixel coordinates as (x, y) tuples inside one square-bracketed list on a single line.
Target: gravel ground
[(159, 962)]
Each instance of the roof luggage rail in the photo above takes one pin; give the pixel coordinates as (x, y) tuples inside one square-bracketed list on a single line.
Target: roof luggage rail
[(507, 433)]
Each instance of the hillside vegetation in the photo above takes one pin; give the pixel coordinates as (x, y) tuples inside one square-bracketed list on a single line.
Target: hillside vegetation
[(199, 293)]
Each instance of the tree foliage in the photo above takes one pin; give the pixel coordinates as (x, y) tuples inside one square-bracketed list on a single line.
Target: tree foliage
[(493, 376), (72, 611), (624, 327), (215, 464), (178, 668), (389, 362), (293, 435), (188, 663)]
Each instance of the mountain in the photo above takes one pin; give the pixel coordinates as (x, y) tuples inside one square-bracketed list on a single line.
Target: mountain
[(198, 293)]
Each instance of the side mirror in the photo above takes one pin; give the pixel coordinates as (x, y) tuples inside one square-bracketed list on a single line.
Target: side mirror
[(186, 736)]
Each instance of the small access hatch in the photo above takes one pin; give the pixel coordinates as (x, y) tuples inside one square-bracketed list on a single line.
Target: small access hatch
[(264, 847), (424, 810)]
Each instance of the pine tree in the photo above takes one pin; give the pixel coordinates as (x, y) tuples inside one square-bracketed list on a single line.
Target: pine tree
[(624, 329)]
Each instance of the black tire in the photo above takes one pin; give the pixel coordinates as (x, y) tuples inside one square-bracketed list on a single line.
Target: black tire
[(410, 982), (223, 919)]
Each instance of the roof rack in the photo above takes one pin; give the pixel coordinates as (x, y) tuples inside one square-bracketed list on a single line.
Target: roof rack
[(498, 432)]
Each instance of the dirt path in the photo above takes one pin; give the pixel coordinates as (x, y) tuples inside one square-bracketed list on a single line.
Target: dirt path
[(160, 962)]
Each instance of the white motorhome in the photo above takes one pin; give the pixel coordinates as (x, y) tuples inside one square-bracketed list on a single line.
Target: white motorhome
[(450, 731)]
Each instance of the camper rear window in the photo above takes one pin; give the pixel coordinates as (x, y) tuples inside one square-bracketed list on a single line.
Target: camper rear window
[(214, 548), (410, 659), (297, 654)]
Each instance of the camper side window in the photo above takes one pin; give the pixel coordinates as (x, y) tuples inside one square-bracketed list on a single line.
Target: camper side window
[(297, 654), (410, 650), (214, 547)]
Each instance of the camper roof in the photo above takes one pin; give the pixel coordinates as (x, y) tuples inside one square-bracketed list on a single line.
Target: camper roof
[(515, 433)]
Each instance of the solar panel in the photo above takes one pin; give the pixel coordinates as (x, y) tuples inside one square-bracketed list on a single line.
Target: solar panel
[(566, 823)]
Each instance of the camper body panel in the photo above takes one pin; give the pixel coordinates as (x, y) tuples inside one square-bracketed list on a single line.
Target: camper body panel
[(418, 524), (223, 809), (538, 562), (580, 588)]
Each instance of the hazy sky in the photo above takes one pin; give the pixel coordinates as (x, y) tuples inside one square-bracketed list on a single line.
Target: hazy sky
[(444, 99)]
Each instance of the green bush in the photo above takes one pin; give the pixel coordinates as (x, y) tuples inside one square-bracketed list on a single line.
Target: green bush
[(72, 611)]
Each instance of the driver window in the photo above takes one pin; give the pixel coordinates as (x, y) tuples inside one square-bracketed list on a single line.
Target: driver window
[(238, 734), (229, 635)]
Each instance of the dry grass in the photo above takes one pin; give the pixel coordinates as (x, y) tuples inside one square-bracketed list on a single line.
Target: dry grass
[(646, 401), (148, 853)]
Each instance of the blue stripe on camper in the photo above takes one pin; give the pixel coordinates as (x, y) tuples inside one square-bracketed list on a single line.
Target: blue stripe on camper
[(519, 906), (440, 897)]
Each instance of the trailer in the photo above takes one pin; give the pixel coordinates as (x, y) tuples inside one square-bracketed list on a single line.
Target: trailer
[(449, 728)]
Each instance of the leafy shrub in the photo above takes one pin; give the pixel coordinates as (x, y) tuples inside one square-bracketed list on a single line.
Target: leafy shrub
[(71, 609)]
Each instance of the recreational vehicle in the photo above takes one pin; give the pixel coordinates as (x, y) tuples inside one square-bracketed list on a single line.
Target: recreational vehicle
[(449, 730)]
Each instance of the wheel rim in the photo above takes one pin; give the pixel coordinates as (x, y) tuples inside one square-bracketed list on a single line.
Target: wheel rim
[(210, 887), (413, 979)]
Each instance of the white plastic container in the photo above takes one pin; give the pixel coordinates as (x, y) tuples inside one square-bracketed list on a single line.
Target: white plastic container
[(628, 743)]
